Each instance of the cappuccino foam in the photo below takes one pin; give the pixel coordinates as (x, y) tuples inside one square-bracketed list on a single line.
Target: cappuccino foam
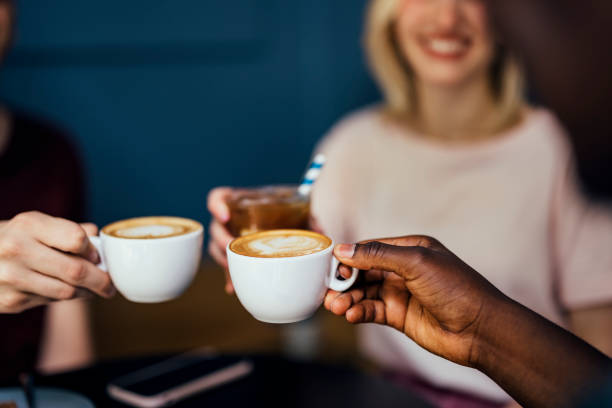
[(151, 227), (280, 244)]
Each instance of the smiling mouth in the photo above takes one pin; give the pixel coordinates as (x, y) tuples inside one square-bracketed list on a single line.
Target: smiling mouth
[(449, 48)]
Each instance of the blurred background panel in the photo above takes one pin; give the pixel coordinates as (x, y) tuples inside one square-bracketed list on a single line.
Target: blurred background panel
[(167, 99)]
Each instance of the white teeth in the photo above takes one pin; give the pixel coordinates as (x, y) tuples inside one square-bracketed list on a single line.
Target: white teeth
[(446, 46)]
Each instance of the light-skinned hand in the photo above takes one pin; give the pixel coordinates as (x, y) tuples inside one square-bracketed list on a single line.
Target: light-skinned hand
[(45, 259), (219, 235)]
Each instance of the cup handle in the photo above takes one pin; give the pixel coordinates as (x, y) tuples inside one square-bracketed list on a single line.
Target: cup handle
[(337, 284), (95, 240)]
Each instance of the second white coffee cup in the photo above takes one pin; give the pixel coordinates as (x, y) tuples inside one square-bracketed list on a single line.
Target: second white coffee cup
[(151, 270), (288, 289)]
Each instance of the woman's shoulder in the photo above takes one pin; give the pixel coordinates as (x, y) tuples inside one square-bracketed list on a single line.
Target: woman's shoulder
[(365, 116), (359, 121), (546, 141), (541, 130), (543, 121), (352, 128)]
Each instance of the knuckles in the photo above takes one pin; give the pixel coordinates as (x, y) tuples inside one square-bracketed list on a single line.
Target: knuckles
[(421, 255), (66, 292), (214, 200), (107, 284), (76, 240), (10, 248), (90, 228), (216, 197), (23, 222), (428, 242), (25, 219), (372, 250), (75, 271), (396, 258), (8, 275), (14, 302)]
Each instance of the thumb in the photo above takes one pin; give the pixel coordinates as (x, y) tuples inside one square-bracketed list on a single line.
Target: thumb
[(217, 203), (401, 260)]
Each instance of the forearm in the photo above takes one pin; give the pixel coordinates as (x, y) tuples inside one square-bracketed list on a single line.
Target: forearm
[(66, 341), (594, 325), (538, 363)]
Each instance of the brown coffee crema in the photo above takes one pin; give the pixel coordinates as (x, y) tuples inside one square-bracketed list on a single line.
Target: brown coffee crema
[(280, 243), (151, 227)]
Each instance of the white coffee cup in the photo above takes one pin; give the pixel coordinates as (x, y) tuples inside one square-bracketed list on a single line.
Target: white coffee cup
[(285, 289), (151, 270)]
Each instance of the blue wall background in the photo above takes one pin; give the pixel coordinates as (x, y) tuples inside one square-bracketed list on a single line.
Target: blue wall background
[(167, 99)]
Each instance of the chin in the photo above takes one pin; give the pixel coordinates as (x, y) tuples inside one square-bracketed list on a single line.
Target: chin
[(445, 78)]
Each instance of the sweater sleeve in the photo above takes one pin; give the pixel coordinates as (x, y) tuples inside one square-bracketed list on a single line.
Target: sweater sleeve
[(582, 237)]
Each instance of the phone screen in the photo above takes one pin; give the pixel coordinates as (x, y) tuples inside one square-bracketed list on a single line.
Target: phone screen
[(172, 373)]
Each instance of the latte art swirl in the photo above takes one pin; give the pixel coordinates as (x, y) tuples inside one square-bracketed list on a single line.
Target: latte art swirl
[(286, 245), (149, 231), (280, 244), (151, 227)]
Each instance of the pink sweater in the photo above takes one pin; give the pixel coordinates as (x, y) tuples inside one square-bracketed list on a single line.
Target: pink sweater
[(510, 207)]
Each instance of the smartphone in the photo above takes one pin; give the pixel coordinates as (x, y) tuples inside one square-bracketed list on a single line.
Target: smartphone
[(177, 378)]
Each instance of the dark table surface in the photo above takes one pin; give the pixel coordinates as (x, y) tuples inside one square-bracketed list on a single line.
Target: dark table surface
[(274, 382)]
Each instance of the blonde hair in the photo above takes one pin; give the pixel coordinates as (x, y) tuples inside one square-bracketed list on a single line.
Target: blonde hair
[(396, 80)]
